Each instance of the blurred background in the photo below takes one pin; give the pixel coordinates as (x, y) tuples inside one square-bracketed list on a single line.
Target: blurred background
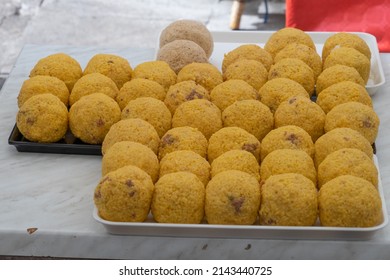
[(119, 23)]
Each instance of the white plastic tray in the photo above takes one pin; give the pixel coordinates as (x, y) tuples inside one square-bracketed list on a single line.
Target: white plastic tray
[(229, 40), (151, 228)]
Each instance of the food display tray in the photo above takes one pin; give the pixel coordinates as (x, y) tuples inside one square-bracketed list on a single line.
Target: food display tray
[(226, 41), (151, 228), (223, 43), (74, 147)]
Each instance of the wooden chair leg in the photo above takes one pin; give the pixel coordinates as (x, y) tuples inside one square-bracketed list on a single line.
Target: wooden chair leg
[(235, 17)]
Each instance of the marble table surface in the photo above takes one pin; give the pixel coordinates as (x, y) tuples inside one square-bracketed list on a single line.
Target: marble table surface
[(46, 199)]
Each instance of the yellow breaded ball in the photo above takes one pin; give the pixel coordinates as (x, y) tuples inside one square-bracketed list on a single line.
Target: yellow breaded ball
[(294, 69), (151, 110), (288, 199), (91, 117), (182, 92), (304, 53), (250, 71), (236, 160), (43, 84), (349, 201), (342, 92), (302, 112), (178, 198), (158, 71), (344, 39), (355, 115), (61, 66), (347, 161), (115, 67), (139, 87), (251, 115), (124, 195), (186, 160), (277, 90), (285, 36), (43, 118), (135, 130), (247, 51), (352, 58), (93, 83), (232, 138), (198, 113), (288, 161), (232, 198), (340, 138), (287, 137), (230, 91), (336, 74), (204, 74), (183, 138), (131, 153)]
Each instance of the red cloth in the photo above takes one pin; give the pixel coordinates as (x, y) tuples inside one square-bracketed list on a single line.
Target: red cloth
[(370, 16)]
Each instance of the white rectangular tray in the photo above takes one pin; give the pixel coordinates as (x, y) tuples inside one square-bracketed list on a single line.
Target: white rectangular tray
[(151, 228), (229, 40)]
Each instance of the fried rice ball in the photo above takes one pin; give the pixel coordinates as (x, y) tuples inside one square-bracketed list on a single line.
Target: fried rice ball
[(204, 74), (355, 115), (91, 117), (139, 87), (304, 53), (93, 83), (113, 66), (182, 92), (43, 84), (232, 198), (287, 137), (236, 160), (135, 130), (131, 153), (294, 69), (288, 199), (186, 160), (275, 91), (349, 201), (251, 71), (302, 112), (180, 53), (251, 115), (352, 58), (158, 71), (187, 29), (183, 138), (247, 51), (336, 74), (151, 110), (124, 195), (344, 39), (198, 113), (178, 198), (288, 161), (347, 161), (61, 66), (285, 36), (230, 91), (43, 118), (339, 138), (342, 92), (232, 138)]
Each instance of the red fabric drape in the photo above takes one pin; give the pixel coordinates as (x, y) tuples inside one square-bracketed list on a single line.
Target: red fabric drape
[(370, 16)]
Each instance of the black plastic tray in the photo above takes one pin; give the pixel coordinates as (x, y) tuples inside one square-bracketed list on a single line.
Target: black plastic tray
[(70, 145)]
